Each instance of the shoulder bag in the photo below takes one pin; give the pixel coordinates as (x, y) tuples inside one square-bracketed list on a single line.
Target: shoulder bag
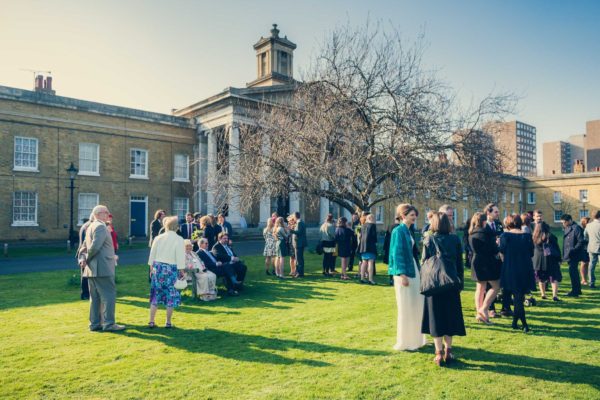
[(435, 277)]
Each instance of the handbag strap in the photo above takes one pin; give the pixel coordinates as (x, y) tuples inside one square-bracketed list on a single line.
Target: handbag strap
[(437, 249)]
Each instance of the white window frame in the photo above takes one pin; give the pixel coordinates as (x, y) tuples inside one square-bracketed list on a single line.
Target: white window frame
[(465, 194), (184, 211), (34, 222), (531, 198), (557, 197), (185, 178), (134, 176), (379, 211), (37, 155), (90, 173), (554, 215), (512, 197), (379, 189), (504, 197), (80, 217), (427, 194), (465, 215), (583, 195)]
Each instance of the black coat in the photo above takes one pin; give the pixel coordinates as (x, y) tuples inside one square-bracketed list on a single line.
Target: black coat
[(155, 228), (451, 250), (343, 239), (221, 254), (485, 265), (573, 243), (368, 239), (209, 234)]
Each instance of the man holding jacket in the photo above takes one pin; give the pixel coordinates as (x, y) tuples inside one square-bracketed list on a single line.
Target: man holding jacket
[(573, 248)]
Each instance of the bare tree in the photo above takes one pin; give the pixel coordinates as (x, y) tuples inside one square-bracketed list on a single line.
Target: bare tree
[(369, 123)]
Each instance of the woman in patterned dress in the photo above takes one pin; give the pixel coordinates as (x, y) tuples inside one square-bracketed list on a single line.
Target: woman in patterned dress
[(269, 251)]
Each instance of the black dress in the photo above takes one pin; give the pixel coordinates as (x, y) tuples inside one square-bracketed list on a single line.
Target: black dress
[(442, 315), (517, 267), (485, 266), (343, 239), (547, 267)]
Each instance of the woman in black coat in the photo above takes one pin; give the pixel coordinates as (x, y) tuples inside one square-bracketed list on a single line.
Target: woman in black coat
[(516, 249), (368, 249), (546, 259), (442, 315), (343, 240), (485, 265)]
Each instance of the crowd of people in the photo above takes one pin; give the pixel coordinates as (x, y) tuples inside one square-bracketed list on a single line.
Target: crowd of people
[(508, 259)]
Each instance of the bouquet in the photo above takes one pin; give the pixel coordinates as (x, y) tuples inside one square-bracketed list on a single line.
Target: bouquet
[(197, 234)]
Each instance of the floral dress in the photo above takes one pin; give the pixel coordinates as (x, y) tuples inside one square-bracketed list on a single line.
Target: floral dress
[(162, 285), (270, 249)]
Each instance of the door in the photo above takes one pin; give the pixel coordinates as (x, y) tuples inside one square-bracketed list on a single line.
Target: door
[(137, 212)]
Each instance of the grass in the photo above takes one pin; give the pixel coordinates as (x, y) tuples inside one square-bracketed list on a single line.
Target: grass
[(21, 251), (319, 338)]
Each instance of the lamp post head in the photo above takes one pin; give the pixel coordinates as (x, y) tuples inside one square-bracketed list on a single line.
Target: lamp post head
[(72, 170)]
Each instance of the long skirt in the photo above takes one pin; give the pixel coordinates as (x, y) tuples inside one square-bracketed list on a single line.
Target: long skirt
[(206, 285), (410, 313), (162, 285), (443, 316)]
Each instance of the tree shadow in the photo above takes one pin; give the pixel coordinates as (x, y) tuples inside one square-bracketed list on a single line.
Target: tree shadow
[(552, 370), (242, 347)]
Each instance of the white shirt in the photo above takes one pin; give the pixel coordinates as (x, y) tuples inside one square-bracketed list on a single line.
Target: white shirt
[(168, 248)]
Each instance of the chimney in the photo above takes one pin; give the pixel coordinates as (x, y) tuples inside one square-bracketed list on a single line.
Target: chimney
[(39, 83), (49, 83)]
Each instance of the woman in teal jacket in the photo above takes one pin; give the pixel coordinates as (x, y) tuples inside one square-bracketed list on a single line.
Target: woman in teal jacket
[(403, 266)]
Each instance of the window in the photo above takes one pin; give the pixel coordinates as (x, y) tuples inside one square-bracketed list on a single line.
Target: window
[(428, 194), (24, 209), (530, 197), (425, 220), (379, 189), (465, 215), (557, 197), (26, 154), (85, 204), (584, 213), (283, 63), (454, 217), (512, 197), (379, 214), (182, 170), (557, 215), (465, 195), (89, 153), (504, 197), (139, 164), (504, 214), (583, 195), (181, 207), (520, 197)]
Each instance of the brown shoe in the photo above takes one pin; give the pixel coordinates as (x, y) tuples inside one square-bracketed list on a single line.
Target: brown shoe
[(438, 358), (114, 328), (448, 356)]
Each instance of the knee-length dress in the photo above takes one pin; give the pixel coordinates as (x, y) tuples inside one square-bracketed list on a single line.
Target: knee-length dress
[(442, 314), (517, 268), (270, 249), (281, 247), (547, 267)]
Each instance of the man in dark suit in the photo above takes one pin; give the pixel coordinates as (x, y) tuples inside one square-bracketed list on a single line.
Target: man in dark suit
[(225, 226), (186, 230), (573, 248), (299, 243), (220, 269), (225, 254)]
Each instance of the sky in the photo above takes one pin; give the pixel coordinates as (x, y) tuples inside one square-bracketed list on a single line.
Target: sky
[(159, 55)]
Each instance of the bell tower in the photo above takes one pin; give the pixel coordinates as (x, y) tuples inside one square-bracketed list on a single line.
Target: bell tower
[(274, 60)]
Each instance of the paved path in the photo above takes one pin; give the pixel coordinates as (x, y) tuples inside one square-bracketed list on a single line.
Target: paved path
[(127, 257)]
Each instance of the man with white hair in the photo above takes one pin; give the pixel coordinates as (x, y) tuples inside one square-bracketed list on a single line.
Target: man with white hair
[(97, 259)]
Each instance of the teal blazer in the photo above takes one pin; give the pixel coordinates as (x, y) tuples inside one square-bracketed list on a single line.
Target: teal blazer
[(401, 260)]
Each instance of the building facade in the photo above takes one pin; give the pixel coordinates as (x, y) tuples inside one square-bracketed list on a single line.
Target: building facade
[(518, 141)]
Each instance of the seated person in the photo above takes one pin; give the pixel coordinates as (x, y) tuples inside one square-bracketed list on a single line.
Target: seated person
[(206, 287), (225, 254), (218, 268)]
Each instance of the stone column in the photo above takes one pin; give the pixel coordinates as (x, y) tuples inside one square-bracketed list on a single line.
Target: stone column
[(265, 210), (211, 170), (294, 201), (233, 196), (324, 209)]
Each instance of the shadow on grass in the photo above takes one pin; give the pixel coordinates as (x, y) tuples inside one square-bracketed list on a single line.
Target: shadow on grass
[(242, 347), (552, 370)]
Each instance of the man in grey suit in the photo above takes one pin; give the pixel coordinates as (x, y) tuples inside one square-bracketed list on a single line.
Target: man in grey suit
[(592, 235), (299, 243), (97, 258)]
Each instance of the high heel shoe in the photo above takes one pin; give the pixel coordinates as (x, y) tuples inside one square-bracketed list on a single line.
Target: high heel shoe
[(481, 318), (448, 356), (438, 358)]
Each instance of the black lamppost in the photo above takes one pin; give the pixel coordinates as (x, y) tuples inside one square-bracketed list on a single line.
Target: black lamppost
[(72, 170)]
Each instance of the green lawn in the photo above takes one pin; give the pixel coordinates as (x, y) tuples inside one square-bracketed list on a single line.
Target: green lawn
[(318, 338)]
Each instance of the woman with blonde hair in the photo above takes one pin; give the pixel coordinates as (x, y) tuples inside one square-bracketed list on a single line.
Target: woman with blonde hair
[(167, 262), (405, 271), (270, 250), (327, 237), (206, 281), (281, 248)]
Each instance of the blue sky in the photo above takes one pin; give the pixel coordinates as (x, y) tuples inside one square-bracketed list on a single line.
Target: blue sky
[(159, 55)]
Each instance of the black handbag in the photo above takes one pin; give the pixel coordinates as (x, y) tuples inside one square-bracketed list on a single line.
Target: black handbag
[(319, 249), (435, 277)]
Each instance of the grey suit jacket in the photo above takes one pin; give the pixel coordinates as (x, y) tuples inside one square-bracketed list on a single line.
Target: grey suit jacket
[(299, 235), (100, 252), (592, 235)]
